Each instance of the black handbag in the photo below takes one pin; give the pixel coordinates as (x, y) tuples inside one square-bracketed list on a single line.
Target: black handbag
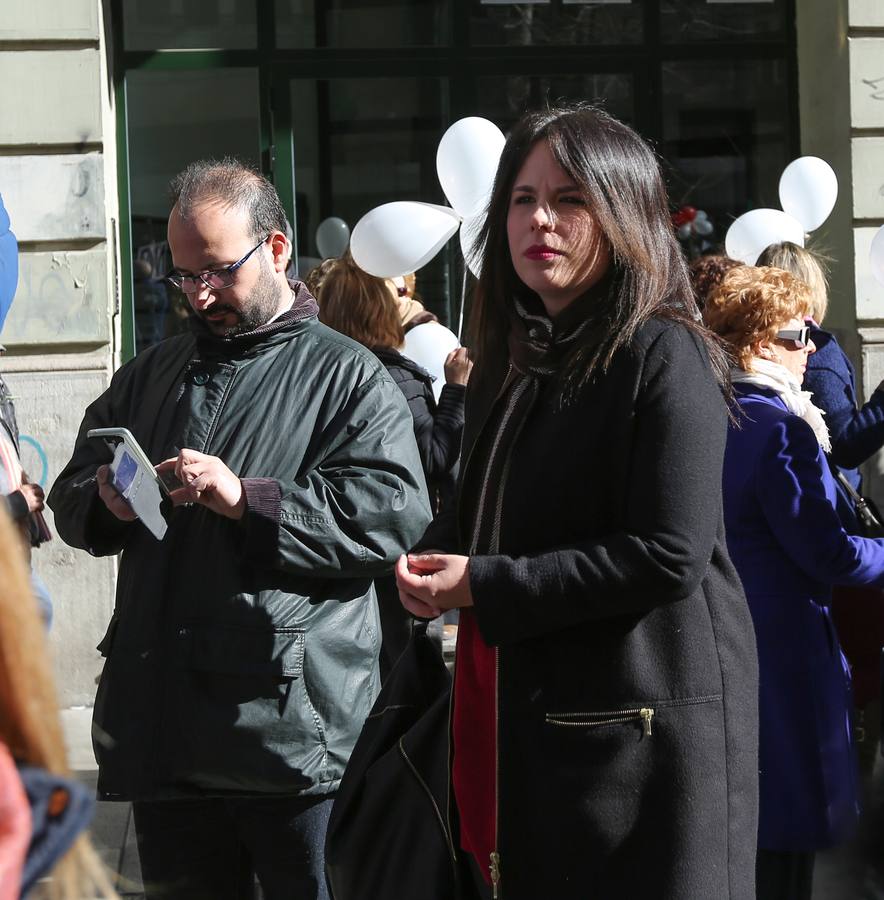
[(388, 836)]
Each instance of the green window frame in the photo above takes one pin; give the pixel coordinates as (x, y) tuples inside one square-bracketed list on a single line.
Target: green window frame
[(459, 63)]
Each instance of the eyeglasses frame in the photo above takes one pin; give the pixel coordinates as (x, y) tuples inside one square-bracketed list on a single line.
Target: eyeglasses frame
[(176, 279)]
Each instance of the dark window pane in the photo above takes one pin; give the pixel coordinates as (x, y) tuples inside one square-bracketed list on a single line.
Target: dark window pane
[(722, 20), (362, 142), (725, 135), (361, 23), (191, 25), (171, 124), (594, 22), (504, 100)]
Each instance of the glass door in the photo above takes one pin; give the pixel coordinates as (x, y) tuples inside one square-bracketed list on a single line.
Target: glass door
[(347, 145)]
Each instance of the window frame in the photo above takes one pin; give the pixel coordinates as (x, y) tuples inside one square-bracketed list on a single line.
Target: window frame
[(459, 63)]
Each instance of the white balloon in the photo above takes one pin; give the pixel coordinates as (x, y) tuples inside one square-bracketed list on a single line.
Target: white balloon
[(428, 345), (808, 191), (752, 232), (876, 255), (400, 237), (466, 163), (332, 237), (469, 236), (703, 226)]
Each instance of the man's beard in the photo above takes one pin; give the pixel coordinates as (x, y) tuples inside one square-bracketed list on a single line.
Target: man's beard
[(255, 310)]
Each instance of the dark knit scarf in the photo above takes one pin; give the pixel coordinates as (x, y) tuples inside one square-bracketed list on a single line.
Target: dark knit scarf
[(538, 346)]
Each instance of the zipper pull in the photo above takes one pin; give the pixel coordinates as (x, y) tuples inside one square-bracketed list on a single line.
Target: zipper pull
[(495, 874), (647, 714)]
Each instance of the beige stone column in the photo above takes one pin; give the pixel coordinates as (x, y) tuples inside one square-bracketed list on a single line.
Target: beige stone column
[(58, 182), (866, 51)]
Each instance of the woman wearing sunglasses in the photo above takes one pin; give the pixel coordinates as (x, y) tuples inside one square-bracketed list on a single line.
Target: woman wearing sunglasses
[(789, 546)]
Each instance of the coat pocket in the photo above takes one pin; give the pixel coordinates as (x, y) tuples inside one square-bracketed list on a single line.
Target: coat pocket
[(276, 653), (643, 715)]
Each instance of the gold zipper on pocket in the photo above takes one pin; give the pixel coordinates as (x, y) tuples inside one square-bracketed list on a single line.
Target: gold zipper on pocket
[(643, 714)]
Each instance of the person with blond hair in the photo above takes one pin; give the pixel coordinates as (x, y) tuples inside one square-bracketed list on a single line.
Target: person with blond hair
[(789, 547), (857, 433), (39, 830)]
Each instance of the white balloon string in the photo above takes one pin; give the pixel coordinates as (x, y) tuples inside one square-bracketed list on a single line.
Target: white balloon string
[(463, 301)]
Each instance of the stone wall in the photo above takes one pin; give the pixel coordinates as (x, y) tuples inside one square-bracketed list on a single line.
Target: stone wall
[(866, 52), (58, 182)]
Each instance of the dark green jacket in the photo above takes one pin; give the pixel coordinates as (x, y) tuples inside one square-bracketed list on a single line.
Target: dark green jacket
[(241, 656)]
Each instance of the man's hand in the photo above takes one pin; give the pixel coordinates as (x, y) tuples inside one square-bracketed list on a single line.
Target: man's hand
[(112, 498), (431, 583), (33, 493), (206, 480)]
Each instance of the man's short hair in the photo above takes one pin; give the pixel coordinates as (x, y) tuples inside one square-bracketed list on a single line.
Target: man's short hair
[(234, 184)]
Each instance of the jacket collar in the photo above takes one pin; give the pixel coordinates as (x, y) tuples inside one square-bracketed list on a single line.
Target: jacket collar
[(211, 344)]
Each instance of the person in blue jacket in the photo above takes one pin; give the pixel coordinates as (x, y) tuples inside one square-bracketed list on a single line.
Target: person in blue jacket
[(789, 547), (857, 432)]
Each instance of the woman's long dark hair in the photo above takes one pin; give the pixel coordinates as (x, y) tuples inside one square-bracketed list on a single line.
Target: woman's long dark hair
[(620, 178)]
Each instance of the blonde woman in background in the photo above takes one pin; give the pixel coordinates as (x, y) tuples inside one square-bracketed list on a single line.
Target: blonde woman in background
[(857, 433), (31, 735)]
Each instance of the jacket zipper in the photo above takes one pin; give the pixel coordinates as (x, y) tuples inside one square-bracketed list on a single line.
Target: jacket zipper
[(466, 465), (494, 857), (620, 716), (645, 714), (446, 834)]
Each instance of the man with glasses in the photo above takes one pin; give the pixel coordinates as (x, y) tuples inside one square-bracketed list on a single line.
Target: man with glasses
[(241, 659)]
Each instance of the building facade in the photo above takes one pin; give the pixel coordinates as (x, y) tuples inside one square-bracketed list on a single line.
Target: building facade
[(342, 103)]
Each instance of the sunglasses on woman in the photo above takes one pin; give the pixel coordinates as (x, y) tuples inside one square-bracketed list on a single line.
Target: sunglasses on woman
[(801, 336)]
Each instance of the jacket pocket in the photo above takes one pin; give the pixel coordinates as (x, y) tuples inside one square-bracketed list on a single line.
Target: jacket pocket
[(643, 715), (635, 715), (241, 718), (272, 653)]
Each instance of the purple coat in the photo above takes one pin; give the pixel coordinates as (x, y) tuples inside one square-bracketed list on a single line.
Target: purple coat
[(789, 547)]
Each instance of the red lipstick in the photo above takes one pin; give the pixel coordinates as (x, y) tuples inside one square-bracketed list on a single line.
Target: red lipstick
[(541, 252)]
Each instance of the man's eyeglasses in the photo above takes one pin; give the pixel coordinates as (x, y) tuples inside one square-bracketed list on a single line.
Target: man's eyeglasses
[(801, 336), (216, 279)]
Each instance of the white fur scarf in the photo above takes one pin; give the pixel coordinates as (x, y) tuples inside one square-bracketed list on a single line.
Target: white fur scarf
[(778, 378)]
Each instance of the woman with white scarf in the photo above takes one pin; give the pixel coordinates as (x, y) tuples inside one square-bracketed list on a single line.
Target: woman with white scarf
[(789, 546)]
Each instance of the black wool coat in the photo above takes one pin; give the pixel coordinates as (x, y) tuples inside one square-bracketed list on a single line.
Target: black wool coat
[(627, 671)]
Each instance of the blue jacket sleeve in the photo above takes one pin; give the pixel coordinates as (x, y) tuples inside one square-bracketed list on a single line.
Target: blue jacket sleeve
[(856, 433), (790, 484)]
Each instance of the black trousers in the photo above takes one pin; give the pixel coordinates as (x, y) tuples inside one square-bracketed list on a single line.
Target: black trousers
[(780, 875), (212, 849)]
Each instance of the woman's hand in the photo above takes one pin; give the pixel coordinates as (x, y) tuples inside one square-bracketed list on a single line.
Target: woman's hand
[(431, 583), (458, 366)]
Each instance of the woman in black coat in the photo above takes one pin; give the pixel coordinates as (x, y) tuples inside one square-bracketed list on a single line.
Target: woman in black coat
[(362, 307), (605, 700)]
